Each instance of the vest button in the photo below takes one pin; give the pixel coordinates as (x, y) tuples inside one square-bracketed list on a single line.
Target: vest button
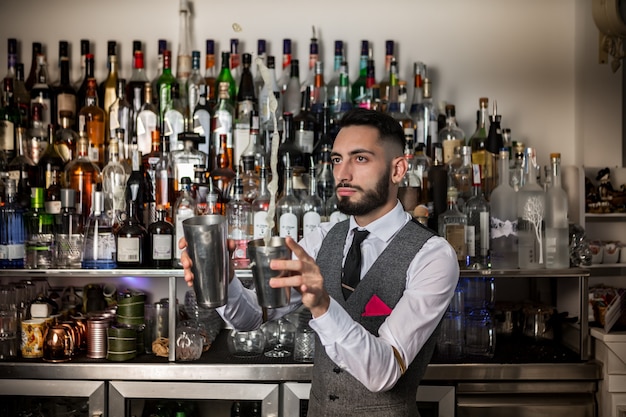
[(333, 397), (337, 369)]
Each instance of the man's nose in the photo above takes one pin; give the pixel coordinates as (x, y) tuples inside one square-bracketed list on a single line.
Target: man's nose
[(342, 173)]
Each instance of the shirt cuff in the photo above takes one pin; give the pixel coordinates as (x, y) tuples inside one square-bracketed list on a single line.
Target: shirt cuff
[(333, 324)]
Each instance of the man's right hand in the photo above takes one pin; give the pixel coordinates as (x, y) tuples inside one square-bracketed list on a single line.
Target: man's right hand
[(186, 261)]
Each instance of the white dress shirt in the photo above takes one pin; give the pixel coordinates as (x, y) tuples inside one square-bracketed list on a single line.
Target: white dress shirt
[(431, 279)]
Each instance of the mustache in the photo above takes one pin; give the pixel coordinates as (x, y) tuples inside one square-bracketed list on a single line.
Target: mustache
[(347, 185)]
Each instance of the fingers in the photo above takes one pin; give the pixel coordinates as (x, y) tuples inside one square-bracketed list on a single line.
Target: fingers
[(297, 249), (182, 243)]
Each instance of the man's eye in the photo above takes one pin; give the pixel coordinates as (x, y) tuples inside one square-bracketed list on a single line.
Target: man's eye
[(335, 161), (361, 158)]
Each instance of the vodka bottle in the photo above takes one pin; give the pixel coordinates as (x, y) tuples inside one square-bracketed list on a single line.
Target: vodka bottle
[(313, 209), (285, 74), (503, 220), (530, 214), (452, 226), (288, 208), (461, 177), (260, 206), (477, 211), (269, 89), (182, 161), (99, 242), (291, 97), (114, 184), (238, 215), (556, 221)]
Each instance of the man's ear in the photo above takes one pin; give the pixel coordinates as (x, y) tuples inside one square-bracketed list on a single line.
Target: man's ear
[(399, 166)]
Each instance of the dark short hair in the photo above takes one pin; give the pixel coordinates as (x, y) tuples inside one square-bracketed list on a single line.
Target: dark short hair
[(389, 129)]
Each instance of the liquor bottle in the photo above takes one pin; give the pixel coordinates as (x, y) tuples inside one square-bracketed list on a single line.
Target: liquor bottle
[(292, 95), (22, 170), (419, 73), (393, 101), (161, 241), (421, 167), (260, 206), (174, 117), (11, 58), (332, 211), (313, 209), (91, 121), (494, 143), (235, 61), (99, 251), (452, 226), (333, 84), (65, 96), (451, 135), (41, 93), (136, 84), (359, 89), (285, 74), (52, 195), (131, 237), (370, 99), (260, 57), (516, 171), (50, 163), (10, 119), (556, 219), (223, 172), (21, 96), (384, 83), (136, 186), (319, 92), (427, 126), (68, 237), (195, 88), (478, 228), (182, 162), (108, 88), (82, 175), (210, 73), (238, 216), (39, 233), (150, 164), (410, 189), (222, 124), (81, 92), (162, 46), (309, 80), (37, 136), (255, 149), (461, 177), (268, 91), (31, 80), (288, 151), (504, 227), (225, 76), (164, 85), (288, 208), (122, 116), (530, 217), (246, 104), (305, 126), (114, 179), (85, 45), (249, 178), (438, 198), (343, 103), (184, 208), (324, 175), (163, 193), (183, 56), (478, 141), (12, 229), (209, 199), (147, 121)]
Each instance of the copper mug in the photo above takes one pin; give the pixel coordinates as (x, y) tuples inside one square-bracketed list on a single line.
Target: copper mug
[(58, 343)]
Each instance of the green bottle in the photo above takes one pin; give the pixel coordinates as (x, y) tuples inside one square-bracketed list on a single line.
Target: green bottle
[(226, 76), (164, 85)]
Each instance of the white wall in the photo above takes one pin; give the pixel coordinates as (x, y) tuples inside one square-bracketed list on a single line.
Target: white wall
[(537, 58)]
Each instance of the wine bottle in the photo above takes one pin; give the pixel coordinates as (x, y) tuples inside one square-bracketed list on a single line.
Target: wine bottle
[(65, 96), (108, 88)]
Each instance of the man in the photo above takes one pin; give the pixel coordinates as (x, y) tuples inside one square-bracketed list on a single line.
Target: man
[(374, 336)]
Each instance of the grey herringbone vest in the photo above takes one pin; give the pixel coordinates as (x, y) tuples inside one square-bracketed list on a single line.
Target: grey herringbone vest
[(335, 392)]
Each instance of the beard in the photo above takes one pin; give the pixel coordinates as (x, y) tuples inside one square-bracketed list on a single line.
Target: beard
[(371, 199)]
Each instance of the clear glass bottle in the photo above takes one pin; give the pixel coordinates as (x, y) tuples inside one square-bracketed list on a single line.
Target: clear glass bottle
[(255, 149), (65, 138), (410, 187), (333, 85), (261, 49), (210, 72), (285, 74), (324, 175), (10, 118), (183, 161), (292, 95), (268, 94), (516, 172), (384, 83), (131, 237), (452, 226), (246, 104), (99, 250), (69, 233), (196, 89), (201, 110), (416, 107), (249, 178), (161, 48), (65, 97), (260, 206), (222, 124), (289, 209), (50, 163), (114, 184), (461, 177), (451, 136), (37, 136), (235, 61), (173, 123), (319, 93), (305, 127), (146, 122), (40, 233), (503, 223), (530, 217), (313, 209), (22, 170), (41, 93), (21, 95), (556, 219), (183, 55), (108, 88), (427, 126), (122, 115), (161, 241), (238, 215), (184, 208), (12, 229), (478, 228)]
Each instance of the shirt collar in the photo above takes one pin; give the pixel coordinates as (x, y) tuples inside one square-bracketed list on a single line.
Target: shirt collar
[(385, 227)]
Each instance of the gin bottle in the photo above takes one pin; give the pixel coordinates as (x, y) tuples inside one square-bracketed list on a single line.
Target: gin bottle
[(312, 206), (503, 220), (288, 208), (99, 250), (557, 225), (530, 214), (12, 229), (477, 211), (69, 234), (260, 206), (452, 226)]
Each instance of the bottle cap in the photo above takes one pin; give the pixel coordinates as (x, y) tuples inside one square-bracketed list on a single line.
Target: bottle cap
[(68, 197)]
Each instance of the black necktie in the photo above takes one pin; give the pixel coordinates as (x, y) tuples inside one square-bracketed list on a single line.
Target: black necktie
[(352, 266)]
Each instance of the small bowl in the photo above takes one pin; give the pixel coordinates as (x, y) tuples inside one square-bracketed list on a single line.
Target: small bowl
[(611, 253), (246, 344)]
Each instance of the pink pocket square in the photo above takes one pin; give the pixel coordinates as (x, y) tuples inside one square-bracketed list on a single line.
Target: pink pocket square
[(376, 307)]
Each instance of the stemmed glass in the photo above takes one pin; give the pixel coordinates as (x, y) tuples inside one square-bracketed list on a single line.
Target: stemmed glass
[(280, 337)]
